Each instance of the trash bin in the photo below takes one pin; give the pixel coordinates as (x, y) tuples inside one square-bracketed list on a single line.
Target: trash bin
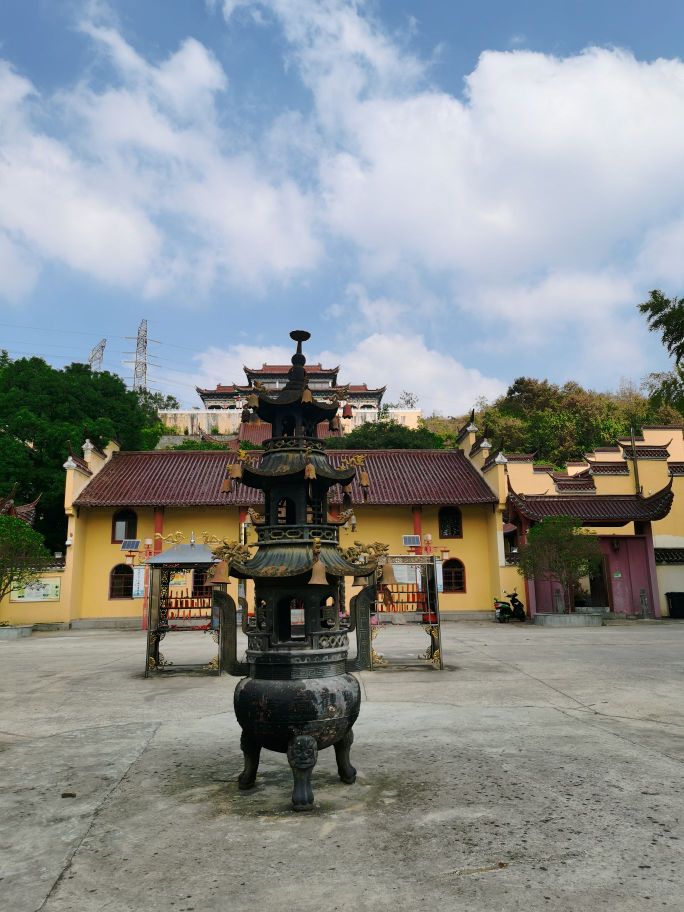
[(675, 604)]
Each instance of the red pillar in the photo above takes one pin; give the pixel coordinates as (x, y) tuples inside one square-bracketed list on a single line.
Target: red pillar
[(530, 587), (158, 529), (651, 564), (417, 512)]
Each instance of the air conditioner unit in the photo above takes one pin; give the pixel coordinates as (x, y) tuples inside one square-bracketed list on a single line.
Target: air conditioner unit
[(411, 541)]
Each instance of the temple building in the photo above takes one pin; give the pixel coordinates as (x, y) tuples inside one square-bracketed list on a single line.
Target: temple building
[(222, 406), (471, 507)]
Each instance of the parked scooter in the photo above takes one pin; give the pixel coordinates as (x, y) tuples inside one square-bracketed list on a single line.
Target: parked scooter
[(514, 608)]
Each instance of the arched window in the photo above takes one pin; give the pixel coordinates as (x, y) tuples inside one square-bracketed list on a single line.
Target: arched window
[(121, 582), (450, 523), (124, 525), (453, 574)]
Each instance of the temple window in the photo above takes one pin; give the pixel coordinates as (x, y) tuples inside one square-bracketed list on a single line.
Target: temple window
[(121, 582), (450, 523), (453, 575), (124, 525)]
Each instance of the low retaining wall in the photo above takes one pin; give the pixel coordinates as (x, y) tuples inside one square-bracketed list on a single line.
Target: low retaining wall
[(110, 623), (569, 620), (16, 631)]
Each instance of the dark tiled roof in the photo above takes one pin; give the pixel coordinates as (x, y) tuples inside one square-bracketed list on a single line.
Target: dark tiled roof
[(676, 468), (669, 555), (646, 452), (520, 457), (569, 484), (193, 478), (594, 509), (419, 477), (80, 462), (27, 512), (609, 468)]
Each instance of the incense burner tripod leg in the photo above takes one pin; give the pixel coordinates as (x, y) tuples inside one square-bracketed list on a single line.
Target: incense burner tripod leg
[(346, 771), (302, 753), (252, 752)]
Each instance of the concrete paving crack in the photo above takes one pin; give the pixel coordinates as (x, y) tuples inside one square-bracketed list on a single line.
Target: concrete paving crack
[(96, 813)]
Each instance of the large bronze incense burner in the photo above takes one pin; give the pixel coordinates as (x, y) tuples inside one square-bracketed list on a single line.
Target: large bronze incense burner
[(297, 698)]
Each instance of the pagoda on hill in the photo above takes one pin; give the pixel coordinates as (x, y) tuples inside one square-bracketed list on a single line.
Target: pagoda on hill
[(298, 697)]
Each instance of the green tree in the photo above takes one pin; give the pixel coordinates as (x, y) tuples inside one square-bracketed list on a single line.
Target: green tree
[(386, 435), (43, 409), (666, 316), (23, 555), (560, 549)]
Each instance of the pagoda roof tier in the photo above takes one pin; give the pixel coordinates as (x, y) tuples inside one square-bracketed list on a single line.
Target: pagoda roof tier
[(594, 509), (279, 463), (318, 410), (296, 559), (279, 369)]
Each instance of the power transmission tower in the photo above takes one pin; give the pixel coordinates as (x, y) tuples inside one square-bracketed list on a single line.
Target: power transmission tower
[(96, 355), (140, 368)]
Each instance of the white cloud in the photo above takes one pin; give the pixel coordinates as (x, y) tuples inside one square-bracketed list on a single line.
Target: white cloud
[(18, 271), (141, 190), (548, 195), (398, 361)]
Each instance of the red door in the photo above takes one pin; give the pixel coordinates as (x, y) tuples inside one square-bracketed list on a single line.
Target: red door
[(626, 566)]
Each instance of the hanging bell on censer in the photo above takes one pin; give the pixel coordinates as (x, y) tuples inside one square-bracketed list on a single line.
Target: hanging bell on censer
[(253, 400), (347, 411), (388, 578), (318, 577), (306, 395), (362, 581), (219, 574), (235, 470)]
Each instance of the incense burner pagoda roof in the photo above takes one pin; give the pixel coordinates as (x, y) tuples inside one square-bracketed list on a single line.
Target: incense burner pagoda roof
[(276, 464), (295, 559), (267, 369), (317, 410)]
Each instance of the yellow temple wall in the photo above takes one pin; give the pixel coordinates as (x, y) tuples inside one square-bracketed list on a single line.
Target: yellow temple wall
[(55, 611)]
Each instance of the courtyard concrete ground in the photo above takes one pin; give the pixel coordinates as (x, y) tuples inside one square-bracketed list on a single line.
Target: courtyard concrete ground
[(541, 770)]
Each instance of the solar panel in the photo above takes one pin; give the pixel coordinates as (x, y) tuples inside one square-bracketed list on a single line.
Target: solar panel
[(411, 541), (130, 544)]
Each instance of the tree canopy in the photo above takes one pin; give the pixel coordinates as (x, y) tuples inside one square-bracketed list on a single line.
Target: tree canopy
[(22, 554), (43, 409), (560, 423), (386, 435), (666, 316), (558, 548)]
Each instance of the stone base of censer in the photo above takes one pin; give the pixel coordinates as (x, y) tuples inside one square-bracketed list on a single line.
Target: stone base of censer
[(298, 717)]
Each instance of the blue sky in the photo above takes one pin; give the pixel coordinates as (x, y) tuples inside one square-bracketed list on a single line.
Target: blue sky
[(447, 194)]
